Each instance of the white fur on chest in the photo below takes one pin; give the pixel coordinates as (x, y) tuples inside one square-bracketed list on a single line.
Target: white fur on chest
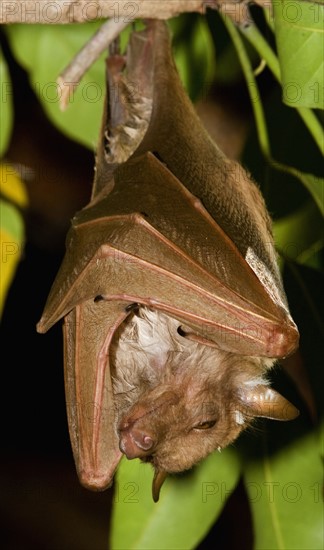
[(149, 351)]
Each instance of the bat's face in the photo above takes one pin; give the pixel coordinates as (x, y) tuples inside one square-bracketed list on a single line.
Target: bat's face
[(175, 426), (177, 400)]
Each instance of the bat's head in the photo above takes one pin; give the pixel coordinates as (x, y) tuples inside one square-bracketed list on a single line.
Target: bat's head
[(179, 400)]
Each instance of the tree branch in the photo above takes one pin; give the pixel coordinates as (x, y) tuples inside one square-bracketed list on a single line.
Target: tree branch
[(82, 11), (71, 76)]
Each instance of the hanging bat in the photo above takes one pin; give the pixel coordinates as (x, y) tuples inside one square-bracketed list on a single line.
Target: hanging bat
[(173, 305)]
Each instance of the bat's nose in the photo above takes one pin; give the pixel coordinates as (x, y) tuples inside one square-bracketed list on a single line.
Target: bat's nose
[(135, 443), (138, 435)]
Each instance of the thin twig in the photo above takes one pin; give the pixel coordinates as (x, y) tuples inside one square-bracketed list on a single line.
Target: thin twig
[(72, 74)]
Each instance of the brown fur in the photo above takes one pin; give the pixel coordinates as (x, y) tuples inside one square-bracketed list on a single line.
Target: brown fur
[(166, 386)]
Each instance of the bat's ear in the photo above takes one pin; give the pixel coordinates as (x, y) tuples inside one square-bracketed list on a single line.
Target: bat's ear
[(265, 402)]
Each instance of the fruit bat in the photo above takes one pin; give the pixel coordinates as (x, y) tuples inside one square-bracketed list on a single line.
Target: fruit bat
[(173, 305)]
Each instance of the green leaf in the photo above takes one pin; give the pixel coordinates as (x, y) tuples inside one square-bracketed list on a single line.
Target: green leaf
[(188, 505), (194, 53), (300, 236), (255, 37), (285, 494), (44, 51), (299, 36), (6, 114), (12, 230), (314, 184), (252, 85)]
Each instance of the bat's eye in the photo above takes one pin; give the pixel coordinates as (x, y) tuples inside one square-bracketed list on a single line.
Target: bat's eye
[(205, 425)]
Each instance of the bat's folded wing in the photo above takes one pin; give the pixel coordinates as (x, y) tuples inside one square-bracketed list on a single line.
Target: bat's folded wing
[(152, 242), (88, 330)]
